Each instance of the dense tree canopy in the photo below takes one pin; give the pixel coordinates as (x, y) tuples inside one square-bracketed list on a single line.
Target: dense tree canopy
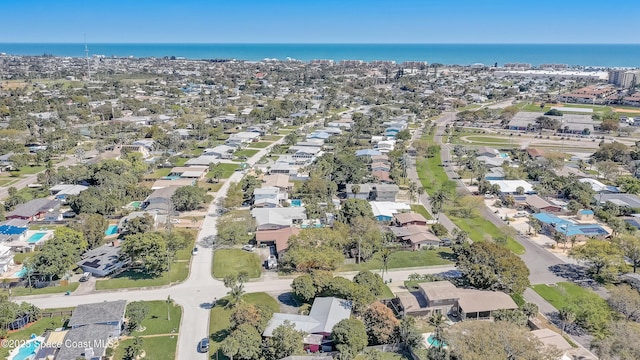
[(188, 198)]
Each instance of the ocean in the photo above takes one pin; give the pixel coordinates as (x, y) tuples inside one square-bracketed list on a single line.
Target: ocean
[(600, 55)]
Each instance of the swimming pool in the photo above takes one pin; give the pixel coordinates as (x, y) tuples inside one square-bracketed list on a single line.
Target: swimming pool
[(172, 177), (36, 237), (112, 229), (504, 156), (27, 351), (434, 342)]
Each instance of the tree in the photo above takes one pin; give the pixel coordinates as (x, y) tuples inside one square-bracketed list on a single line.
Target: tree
[(139, 224), (188, 198), (409, 334), (413, 191), (255, 315), (567, 316), (235, 284), (530, 310), (137, 311), (285, 341), (92, 227), (234, 196), (355, 190), (385, 257), (244, 343), (475, 340), (598, 254), (59, 254), (147, 251), (350, 336), (626, 301), (371, 281), (132, 351), (630, 247), (489, 266), (620, 344), (437, 201), (353, 208), (607, 169), (381, 323), (304, 288), (439, 230), (216, 171)]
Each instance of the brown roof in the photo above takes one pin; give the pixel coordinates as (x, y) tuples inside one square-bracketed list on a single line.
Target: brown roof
[(403, 218), (533, 152), (439, 290), (277, 180), (280, 237), (408, 230), (538, 202), (422, 237), (477, 301), (381, 175)]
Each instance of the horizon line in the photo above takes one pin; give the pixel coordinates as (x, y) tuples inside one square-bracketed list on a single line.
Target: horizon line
[(308, 43)]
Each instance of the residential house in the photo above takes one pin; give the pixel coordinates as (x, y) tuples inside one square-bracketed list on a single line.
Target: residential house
[(382, 177), (535, 153), (157, 218), (242, 138), (103, 260), (629, 200), (599, 187), (585, 215), (537, 204), (305, 152), (364, 191), (278, 218), (325, 313), (385, 146), (487, 151), (552, 224), (280, 181), (380, 166), (495, 173), (95, 326), (6, 258), (196, 173), (442, 297), (409, 218), (322, 135), (415, 237), (5, 162), (268, 193), (34, 209), (368, 152), (220, 151), (159, 201), (13, 230), (180, 182), (63, 191), (510, 187), (384, 210), (278, 238), (383, 158), (385, 192)]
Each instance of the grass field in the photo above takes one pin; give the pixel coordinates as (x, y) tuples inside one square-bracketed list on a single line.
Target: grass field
[(476, 227), (23, 291), (232, 261), (27, 170), (271, 138), (259, 145), (430, 173), (129, 279), (227, 170), (179, 161), (564, 293), (502, 141), (156, 321), (156, 348), (421, 210), (245, 152), (7, 181), (219, 319), (405, 259)]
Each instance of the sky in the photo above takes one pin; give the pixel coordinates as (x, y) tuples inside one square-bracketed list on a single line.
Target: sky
[(326, 21)]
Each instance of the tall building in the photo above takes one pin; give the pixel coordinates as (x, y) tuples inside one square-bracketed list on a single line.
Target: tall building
[(624, 78)]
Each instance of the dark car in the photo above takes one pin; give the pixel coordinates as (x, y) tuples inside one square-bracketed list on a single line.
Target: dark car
[(203, 345)]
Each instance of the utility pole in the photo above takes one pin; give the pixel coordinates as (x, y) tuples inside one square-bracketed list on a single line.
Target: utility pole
[(86, 54)]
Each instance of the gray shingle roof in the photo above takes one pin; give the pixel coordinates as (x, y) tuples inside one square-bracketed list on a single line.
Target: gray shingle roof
[(98, 313), (325, 313), (97, 336), (34, 207)]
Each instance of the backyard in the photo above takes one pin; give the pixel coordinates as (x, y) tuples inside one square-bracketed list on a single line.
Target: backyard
[(219, 318), (232, 261), (564, 294), (38, 328), (422, 211), (156, 322)]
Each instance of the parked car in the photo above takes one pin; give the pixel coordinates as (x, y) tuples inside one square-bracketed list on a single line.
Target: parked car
[(85, 277), (194, 251), (248, 247), (203, 345)]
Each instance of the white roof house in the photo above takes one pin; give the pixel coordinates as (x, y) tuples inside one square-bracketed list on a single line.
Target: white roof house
[(270, 219), (511, 186), (325, 313), (599, 187), (384, 210)]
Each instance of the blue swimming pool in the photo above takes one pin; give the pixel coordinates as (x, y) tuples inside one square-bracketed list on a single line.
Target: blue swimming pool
[(112, 229), (433, 342), (21, 273), (36, 237), (27, 350)]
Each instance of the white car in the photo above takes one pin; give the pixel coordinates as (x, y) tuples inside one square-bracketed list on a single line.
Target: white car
[(248, 247)]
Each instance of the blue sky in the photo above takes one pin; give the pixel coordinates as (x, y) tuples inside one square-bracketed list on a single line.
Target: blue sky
[(327, 21)]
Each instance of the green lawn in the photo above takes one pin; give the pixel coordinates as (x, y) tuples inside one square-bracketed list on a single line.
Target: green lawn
[(430, 173), (129, 279), (6, 182), (185, 254), (259, 145), (405, 259), (233, 261), (476, 227), (23, 291), (219, 319), (18, 258), (38, 328), (157, 322), (488, 139), (421, 210), (227, 170), (271, 138), (179, 161), (156, 348), (386, 293), (160, 173), (563, 294), (245, 152), (27, 170)]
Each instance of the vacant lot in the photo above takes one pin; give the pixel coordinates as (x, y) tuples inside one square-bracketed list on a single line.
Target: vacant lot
[(232, 261), (405, 259)]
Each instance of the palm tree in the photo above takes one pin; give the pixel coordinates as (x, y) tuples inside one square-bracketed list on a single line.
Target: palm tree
[(437, 201), (385, 254), (413, 191), (567, 316), (437, 321), (355, 190)]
